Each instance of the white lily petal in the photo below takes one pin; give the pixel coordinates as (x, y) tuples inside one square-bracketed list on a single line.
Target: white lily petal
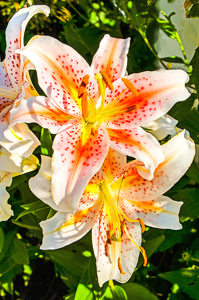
[(40, 185), (20, 140), (5, 208), (65, 228), (10, 162), (163, 126)]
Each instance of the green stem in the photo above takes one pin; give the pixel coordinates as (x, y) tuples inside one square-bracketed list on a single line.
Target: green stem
[(25, 225), (190, 86), (153, 51), (73, 7), (111, 284), (186, 62), (140, 27)]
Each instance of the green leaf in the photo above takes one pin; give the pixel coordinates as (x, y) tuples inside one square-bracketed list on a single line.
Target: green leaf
[(150, 247), (93, 274), (1, 239), (84, 288), (32, 208), (116, 293), (9, 287), (71, 261), (180, 109), (69, 297), (6, 266), (193, 172), (172, 237), (138, 292), (194, 11), (20, 254), (195, 73), (83, 40), (8, 240), (190, 208), (187, 279), (70, 265), (119, 293), (167, 26), (173, 59), (46, 142)]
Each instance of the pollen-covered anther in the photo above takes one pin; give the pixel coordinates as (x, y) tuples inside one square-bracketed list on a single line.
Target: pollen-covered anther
[(120, 266), (131, 108), (130, 86), (122, 229), (141, 224), (108, 242), (144, 256), (85, 104), (82, 87), (107, 80)]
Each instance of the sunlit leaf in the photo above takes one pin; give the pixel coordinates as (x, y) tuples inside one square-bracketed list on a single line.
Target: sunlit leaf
[(46, 142), (138, 292), (186, 278)]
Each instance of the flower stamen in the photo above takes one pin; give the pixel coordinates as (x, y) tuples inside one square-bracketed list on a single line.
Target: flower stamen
[(130, 86), (120, 266), (141, 249), (141, 224), (84, 104), (82, 87), (144, 256), (107, 80)]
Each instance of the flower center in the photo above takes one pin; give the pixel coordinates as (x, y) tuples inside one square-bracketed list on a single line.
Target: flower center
[(90, 113)]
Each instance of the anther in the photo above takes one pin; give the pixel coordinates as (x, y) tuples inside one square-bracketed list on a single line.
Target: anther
[(122, 229), (131, 108), (84, 104), (130, 86), (120, 266), (141, 224), (107, 80), (83, 85), (144, 256), (108, 242)]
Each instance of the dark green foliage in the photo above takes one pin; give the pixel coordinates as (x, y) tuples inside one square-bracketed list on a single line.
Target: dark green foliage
[(70, 273)]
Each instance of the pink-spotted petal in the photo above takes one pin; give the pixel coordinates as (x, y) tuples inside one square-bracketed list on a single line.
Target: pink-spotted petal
[(39, 110), (14, 40), (5, 208), (40, 185), (129, 252), (65, 228), (179, 153), (60, 70), (74, 164), (111, 57), (107, 266), (139, 144), (6, 88), (113, 162), (158, 92), (162, 212)]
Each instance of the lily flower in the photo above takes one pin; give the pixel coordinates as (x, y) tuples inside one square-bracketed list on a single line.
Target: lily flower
[(161, 127), (11, 165), (116, 204), (92, 108), (15, 84)]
